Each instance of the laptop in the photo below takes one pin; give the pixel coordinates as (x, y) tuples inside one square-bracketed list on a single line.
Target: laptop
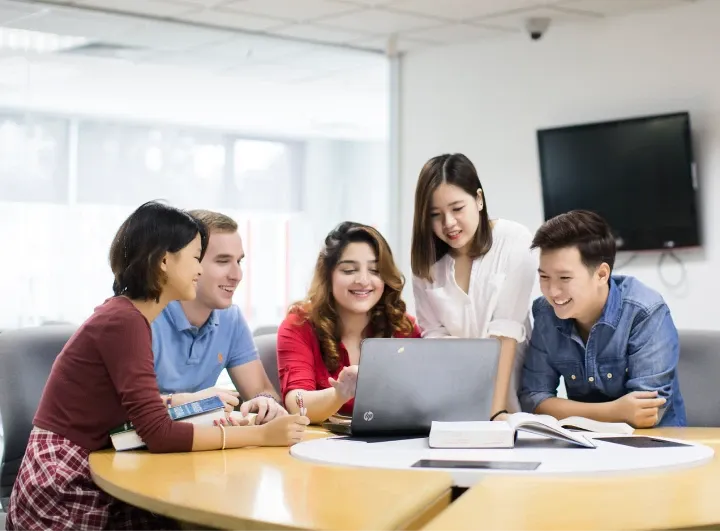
[(405, 384)]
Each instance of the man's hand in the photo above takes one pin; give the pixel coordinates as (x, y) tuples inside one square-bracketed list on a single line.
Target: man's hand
[(640, 409), (231, 399), (266, 408), (346, 382)]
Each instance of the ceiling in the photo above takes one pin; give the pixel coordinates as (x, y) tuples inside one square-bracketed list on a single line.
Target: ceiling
[(281, 67), (369, 24)]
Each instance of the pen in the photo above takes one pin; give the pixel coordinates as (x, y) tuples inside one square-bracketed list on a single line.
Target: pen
[(300, 403)]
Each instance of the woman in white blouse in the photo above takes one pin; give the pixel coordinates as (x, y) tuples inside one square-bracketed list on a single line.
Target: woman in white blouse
[(472, 277)]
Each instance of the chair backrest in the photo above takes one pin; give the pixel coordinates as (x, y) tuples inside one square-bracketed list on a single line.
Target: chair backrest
[(698, 371), (26, 357), (267, 350), (265, 330)]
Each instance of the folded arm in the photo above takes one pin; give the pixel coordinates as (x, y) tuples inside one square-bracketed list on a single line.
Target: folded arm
[(653, 355)]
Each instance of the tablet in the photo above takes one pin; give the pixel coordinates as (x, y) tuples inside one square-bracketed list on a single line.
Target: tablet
[(641, 441), (487, 465)]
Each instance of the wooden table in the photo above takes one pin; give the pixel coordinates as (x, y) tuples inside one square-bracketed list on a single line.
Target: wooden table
[(266, 488), (652, 500)]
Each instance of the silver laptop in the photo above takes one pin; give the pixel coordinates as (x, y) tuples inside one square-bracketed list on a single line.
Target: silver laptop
[(405, 384)]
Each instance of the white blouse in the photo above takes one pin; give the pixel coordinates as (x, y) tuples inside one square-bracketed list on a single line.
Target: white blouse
[(498, 298)]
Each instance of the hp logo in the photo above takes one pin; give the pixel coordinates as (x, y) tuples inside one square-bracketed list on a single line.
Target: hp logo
[(368, 416)]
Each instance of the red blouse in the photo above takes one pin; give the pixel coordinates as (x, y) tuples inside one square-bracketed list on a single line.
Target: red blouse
[(300, 362)]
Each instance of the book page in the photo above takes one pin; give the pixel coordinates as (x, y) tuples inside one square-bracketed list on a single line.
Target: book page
[(596, 426), (547, 426), (340, 419), (518, 419)]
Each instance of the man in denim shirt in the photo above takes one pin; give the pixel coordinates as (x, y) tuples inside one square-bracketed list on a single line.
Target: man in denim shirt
[(611, 337)]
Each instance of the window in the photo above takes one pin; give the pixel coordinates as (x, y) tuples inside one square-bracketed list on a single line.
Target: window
[(128, 164), (266, 176), (33, 158)]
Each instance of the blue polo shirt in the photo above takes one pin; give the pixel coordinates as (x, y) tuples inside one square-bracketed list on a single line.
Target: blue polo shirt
[(189, 359)]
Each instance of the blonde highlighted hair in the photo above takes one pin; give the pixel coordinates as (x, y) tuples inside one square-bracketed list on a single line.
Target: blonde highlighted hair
[(215, 221)]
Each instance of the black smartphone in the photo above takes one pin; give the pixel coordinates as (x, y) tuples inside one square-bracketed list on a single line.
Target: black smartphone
[(641, 441), (487, 465)]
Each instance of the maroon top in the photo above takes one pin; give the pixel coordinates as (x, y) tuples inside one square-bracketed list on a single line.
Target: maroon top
[(300, 362), (104, 377)]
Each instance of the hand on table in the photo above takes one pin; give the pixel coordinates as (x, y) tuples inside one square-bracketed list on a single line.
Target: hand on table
[(640, 409), (266, 408), (284, 431)]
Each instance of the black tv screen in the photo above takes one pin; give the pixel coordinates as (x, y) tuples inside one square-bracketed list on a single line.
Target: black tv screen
[(639, 174)]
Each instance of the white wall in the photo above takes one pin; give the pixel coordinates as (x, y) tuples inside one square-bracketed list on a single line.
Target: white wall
[(487, 100), (344, 181)]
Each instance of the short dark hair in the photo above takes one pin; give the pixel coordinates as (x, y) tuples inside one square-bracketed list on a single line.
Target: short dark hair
[(586, 230), (141, 242), (426, 247)]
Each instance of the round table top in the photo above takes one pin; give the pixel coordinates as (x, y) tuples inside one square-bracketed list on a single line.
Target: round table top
[(266, 488), (672, 499), (541, 455)]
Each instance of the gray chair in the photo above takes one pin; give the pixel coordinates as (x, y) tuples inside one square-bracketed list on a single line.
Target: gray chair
[(698, 371), (26, 357), (267, 350), (264, 330)]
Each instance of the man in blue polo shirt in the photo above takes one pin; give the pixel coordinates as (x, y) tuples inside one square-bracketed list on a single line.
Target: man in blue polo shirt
[(194, 341), (610, 337)]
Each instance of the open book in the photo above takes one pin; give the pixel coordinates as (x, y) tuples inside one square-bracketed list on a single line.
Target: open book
[(497, 434), (581, 423), (201, 412), (337, 418)]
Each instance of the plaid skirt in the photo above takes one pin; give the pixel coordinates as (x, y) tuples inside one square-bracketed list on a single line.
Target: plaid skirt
[(54, 490)]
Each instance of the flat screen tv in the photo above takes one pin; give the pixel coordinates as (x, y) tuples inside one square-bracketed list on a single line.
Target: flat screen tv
[(638, 173)]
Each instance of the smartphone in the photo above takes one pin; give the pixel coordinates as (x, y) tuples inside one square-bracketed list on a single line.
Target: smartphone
[(487, 465)]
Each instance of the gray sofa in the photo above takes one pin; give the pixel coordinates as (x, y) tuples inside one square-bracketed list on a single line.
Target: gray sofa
[(699, 371), (26, 357), (267, 350)]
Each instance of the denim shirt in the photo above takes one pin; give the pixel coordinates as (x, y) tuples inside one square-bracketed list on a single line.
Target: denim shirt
[(633, 347)]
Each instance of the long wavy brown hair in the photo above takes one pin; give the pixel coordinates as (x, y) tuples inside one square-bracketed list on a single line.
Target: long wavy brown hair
[(386, 318)]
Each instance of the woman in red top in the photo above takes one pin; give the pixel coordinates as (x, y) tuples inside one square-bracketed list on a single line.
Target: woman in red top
[(354, 294), (105, 376)]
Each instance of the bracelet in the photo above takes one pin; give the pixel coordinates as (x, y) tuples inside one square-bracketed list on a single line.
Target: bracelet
[(498, 414), (168, 401), (268, 395), (222, 428)]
